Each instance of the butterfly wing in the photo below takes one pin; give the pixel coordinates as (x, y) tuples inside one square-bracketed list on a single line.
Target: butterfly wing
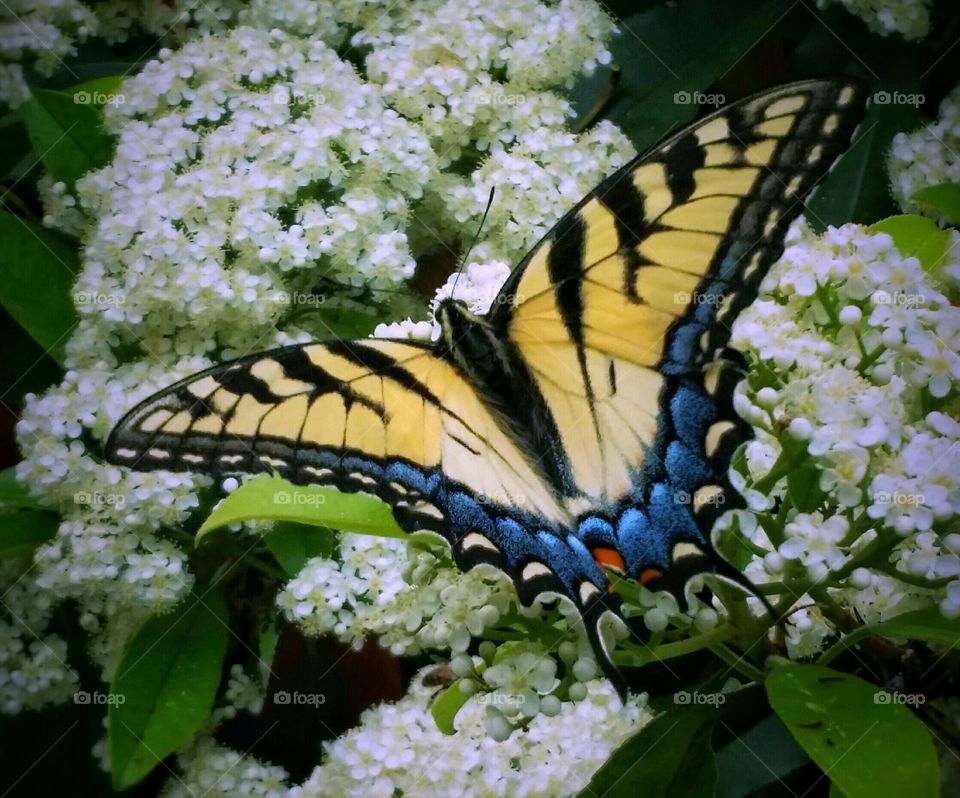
[(622, 313), (388, 418), (392, 419)]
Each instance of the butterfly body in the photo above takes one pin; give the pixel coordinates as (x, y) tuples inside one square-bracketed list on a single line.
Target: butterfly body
[(585, 425)]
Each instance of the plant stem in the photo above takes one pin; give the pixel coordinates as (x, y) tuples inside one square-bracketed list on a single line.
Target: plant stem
[(738, 663)]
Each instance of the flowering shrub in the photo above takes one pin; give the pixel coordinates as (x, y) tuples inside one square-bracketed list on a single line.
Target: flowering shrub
[(278, 172)]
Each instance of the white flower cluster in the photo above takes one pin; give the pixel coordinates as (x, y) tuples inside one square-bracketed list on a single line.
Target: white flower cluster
[(412, 598), (555, 756), (251, 164), (38, 35), (858, 347), (33, 666), (928, 156), (909, 18), (214, 771)]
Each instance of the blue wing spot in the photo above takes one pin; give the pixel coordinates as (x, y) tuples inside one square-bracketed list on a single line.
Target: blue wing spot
[(594, 531), (467, 515), (686, 471), (692, 413), (640, 543), (515, 541), (670, 515)]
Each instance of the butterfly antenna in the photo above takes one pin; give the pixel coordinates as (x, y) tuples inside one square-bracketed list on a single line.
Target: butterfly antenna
[(463, 261)]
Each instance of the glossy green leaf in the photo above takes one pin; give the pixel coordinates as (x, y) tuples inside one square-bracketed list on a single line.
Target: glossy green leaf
[(67, 134), (926, 624), (764, 754), (917, 237), (38, 269), (270, 498), (943, 200), (164, 686), (671, 54), (669, 758), (804, 486), (99, 91), (446, 706), (14, 494), (293, 544), (868, 745), (857, 189), (21, 532)]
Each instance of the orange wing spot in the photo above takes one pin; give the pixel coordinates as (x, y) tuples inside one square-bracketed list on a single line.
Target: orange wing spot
[(649, 574), (610, 559)]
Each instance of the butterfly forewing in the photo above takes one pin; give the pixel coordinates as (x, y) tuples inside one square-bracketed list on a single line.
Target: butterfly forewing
[(634, 291)]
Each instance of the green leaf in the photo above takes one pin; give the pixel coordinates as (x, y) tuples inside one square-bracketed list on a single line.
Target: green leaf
[(926, 624), (763, 754), (446, 706), (67, 133), (916, 237), (99, 91), (669, 757), (804, 486), (671, 53), (164, 687), (270, 498), (21, 532), (38, 269), (856, 188), (867, 746), (14, 494), (943, 200), (267, 647), (293, 544)]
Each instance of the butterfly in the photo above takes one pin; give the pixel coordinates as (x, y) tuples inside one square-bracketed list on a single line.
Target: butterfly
[(584, 427)]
